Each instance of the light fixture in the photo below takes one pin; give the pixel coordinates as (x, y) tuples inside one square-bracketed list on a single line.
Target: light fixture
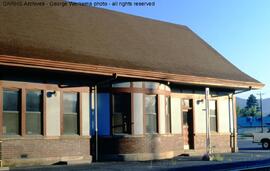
[(51, 93)]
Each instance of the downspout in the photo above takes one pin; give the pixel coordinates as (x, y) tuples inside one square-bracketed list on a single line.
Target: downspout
[(233, 123), (235, 147), (96, 122)]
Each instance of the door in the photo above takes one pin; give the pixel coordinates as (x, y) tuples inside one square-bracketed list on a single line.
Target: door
[(187, 115)]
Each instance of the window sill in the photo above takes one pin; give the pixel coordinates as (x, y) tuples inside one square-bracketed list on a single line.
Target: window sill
[(70, 135), (11, 136), (34, 137)]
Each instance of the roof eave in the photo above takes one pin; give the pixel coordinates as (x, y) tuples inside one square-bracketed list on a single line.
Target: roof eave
[(124, 72)]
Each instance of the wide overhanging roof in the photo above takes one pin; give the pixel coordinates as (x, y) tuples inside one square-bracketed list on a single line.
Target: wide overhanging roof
[(105, 42)]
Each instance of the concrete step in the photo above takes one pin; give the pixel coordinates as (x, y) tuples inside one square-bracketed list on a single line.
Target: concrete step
[(74, 162)]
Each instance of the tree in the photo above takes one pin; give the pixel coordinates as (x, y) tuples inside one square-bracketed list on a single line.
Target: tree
[(252, 102), (252, 107)]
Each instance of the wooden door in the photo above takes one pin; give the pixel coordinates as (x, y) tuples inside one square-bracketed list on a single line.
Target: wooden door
[(185, 130), (187, 115)]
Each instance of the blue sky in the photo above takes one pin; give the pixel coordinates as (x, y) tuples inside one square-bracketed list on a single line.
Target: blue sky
[(238, 29)]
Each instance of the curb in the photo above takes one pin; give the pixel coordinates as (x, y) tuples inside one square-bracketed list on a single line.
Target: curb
[(241, 165)]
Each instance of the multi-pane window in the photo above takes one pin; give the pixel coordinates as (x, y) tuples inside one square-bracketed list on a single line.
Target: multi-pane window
[(167, 115), (121, 114), (71, 113), (34, 112), (11, 112), (213, 115), (151, 113)]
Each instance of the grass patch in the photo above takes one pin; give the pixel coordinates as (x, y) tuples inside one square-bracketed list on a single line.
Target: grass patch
[(217, 157)]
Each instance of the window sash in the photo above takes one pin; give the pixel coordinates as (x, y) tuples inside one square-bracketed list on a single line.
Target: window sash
[(151, 123), (11, 118), (71, 117), (213, 116), (71, 124), (34, 99), (34, 112), (11, 122), (151, 115), (34, 123)]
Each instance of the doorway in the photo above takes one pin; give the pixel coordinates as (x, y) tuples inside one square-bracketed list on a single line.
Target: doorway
[(188, 131), (121, 113)]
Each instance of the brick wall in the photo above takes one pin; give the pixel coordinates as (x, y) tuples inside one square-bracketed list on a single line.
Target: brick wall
[(42, 148), (220, 142), (148, 144)]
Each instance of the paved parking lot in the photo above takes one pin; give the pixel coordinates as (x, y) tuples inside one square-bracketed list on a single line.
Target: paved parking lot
[(247, 144)]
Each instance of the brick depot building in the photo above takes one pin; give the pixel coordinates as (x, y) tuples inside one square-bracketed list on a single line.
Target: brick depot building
[(149, 78)]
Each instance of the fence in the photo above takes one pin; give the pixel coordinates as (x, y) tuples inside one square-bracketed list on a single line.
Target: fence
[(249, 130)]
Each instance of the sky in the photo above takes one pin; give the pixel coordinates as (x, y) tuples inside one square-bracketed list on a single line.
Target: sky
[(238, 29)]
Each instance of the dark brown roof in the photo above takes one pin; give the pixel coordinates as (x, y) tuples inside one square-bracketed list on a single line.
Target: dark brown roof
[(89, 35)]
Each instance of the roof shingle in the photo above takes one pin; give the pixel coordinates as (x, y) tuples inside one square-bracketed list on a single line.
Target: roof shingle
[(89, 35)]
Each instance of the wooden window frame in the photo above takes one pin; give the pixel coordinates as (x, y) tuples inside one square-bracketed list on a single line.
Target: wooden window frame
[(79, 133), (26, 86), (22, 122)]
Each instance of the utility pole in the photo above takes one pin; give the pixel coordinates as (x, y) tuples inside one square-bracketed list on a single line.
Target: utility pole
[(261, 109)]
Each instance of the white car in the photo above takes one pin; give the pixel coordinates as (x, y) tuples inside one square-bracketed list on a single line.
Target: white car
[(262, 138)]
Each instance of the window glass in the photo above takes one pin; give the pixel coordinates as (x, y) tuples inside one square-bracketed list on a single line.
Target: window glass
[(11, 100), (150, 104), (151, 113), (71, 113), (34, 112), (11, 112), (168, 114), (213, 115)]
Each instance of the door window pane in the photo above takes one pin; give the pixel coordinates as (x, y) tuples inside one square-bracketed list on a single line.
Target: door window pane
[(151, 113), (71, 113), (11, 112), (34, 112), (121, 115)]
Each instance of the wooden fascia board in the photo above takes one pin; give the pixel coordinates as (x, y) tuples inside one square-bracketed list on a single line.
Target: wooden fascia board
[(123, 72)]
